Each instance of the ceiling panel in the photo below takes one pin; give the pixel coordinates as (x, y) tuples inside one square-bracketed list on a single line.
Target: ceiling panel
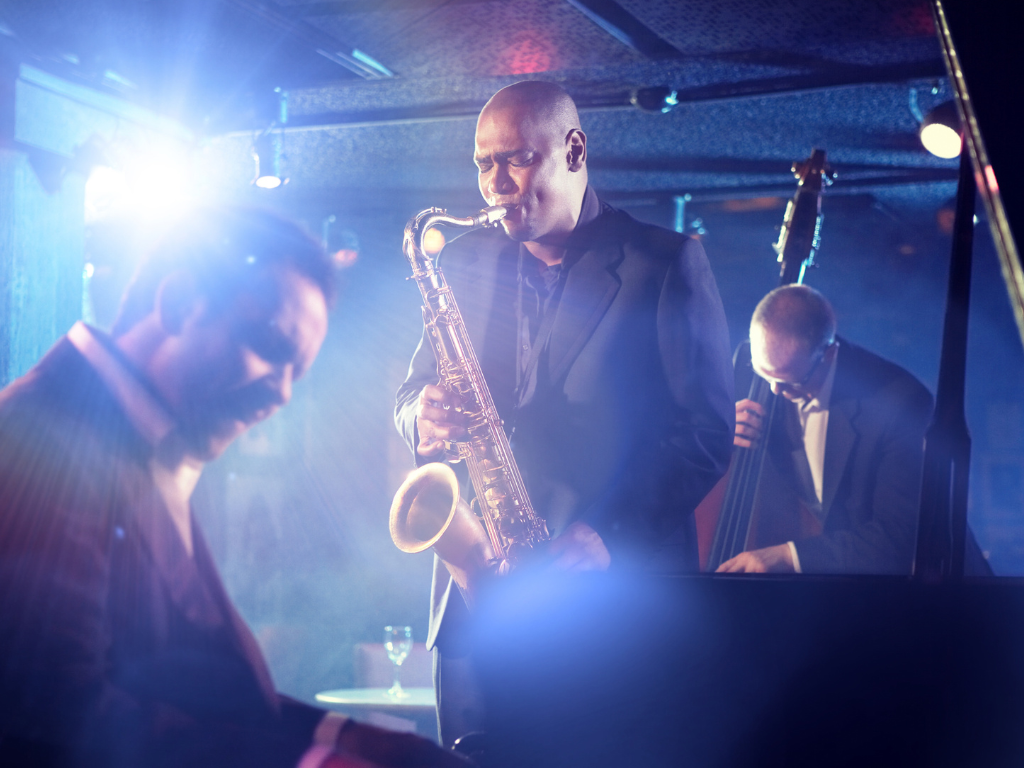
[(785, 28), (215, 63), (481, 39)]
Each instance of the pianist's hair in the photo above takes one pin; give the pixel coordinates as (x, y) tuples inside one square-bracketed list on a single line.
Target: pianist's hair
[(224, 249)]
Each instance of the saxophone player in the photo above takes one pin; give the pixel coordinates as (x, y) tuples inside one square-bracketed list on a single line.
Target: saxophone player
[(605, 349)]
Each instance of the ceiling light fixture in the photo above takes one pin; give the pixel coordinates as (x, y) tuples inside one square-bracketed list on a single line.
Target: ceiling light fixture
[(266, 151), (659, 98), (940, 131), (268, 146)]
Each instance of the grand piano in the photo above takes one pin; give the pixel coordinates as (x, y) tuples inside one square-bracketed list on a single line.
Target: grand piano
[(802, 671)]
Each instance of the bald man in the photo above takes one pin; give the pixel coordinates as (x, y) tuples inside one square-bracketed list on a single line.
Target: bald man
[(605, 347), (841, 480)]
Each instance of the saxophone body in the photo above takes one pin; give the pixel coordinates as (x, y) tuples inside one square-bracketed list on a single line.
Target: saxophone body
[(428, 510)]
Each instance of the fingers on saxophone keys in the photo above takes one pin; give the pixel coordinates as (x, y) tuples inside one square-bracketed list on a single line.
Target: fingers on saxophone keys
[(435, 414), (434, 395), (449, 432), (441, 415), (429, 448), (439, 431)]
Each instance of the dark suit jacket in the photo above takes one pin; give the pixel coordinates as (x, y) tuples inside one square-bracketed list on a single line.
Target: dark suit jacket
[(636, 424), (877, 418), (116, 648)]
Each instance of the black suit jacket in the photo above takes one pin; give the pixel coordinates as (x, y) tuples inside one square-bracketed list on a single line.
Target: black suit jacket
[(636, 424), (116, 648), (878, 414)]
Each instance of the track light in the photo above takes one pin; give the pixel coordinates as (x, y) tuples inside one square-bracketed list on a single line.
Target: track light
[(940, 131), (659, 98), (266, 151)]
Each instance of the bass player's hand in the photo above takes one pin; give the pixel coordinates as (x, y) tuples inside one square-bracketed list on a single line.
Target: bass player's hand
[(438, 420), (776, 559), (749, 416)]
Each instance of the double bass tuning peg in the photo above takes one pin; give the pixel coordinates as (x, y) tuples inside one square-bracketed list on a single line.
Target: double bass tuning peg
[(813, 166)]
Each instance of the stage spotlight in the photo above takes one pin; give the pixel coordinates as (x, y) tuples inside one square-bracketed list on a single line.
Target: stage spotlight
[(149, 183), (163, 182), (940, 131), (266, 151), (106, 193)]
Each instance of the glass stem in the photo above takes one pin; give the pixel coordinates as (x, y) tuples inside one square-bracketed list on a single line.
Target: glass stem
[(398, 672)]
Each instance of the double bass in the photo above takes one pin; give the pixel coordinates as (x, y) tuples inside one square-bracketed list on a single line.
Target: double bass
[(727, 514)]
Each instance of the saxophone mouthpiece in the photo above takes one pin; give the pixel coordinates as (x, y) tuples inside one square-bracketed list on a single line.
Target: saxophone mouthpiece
[(493, 214)]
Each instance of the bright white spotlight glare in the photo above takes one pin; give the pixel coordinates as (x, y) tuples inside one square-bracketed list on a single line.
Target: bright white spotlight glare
[(941, 140), (106, 193), (268, 182), (150, 185), (160, 182)]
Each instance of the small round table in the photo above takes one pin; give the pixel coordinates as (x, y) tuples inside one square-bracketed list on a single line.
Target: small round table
[(368, 703)]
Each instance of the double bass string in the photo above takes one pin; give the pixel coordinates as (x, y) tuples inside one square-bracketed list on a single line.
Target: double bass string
[(737, 508)]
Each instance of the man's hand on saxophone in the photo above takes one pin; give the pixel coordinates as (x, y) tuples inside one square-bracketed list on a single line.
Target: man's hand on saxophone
[(579, 548), (438, 420)]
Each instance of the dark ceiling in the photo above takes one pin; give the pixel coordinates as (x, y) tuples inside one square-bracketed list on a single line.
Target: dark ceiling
[(382, 93)]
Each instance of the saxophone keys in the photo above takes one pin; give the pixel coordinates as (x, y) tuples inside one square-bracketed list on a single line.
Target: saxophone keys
[(495, 497)]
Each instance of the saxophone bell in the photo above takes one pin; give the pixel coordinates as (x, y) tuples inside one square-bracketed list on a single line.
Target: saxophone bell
[(428, 511)]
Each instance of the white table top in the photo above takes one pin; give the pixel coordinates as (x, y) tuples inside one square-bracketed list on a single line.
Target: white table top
[(378, 698)]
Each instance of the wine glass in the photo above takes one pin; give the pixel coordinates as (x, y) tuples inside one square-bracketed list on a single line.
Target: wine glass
[(398, 644)]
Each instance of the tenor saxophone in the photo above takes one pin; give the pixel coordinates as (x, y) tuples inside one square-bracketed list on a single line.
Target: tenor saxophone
[(428, 511)]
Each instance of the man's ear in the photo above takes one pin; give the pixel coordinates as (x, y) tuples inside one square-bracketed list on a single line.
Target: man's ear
[(177, 299), (577, 149)]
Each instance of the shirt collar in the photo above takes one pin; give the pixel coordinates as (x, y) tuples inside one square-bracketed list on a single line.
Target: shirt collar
[(590, 209), (584, 231), (145, 412), (820, 402), (581, 237)]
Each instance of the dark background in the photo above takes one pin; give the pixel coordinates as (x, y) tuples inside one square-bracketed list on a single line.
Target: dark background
[(296, 511)]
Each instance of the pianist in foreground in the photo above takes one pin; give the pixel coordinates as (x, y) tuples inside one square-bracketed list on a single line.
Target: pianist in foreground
[(118, 644)]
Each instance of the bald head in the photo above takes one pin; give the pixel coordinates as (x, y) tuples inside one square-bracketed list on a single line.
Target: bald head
[(532, 158), (792, 333), (543, 103), (799, 313)]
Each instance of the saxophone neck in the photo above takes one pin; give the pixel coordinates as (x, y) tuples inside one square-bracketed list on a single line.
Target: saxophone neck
[(418, 226)]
